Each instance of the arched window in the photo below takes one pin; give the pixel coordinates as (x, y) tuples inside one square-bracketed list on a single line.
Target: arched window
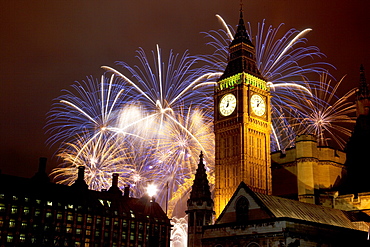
[(254, 244), (241, 210)]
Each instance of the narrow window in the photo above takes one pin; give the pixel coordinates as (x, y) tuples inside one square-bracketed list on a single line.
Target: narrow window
[(241, 210)]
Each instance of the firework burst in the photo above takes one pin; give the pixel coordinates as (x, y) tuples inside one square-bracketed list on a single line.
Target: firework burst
[(179, 146), (159, 108), (101, 157), (149, 118), (90, 109), (329, 117)]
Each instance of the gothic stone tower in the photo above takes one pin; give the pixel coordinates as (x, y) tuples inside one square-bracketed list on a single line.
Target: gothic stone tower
[(200, 206), (358, 145), (242, 123)]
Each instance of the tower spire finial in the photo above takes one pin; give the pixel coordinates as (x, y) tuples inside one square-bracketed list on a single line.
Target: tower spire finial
[(363, 90), (241, 34), (201, 157), (200, 188), (241, 9)]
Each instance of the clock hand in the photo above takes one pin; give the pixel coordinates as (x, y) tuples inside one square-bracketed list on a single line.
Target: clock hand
[(227, 105)]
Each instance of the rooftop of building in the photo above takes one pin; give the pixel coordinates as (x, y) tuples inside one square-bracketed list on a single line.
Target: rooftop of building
[(278, 208), (101, 202)]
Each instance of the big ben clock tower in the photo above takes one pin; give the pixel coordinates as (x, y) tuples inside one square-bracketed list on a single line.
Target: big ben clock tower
[(242, 123)]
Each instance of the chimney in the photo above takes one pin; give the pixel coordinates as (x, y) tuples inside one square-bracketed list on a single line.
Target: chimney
[(127, 191), (115, 180), (41, 176), (42, 164), (81, 173), (80, 181), (114, 188)]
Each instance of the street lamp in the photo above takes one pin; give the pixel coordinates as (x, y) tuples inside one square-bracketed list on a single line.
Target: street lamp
[(151, 190)]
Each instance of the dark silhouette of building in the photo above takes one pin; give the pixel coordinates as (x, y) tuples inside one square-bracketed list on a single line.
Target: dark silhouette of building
[(358, 146), (36, 212)]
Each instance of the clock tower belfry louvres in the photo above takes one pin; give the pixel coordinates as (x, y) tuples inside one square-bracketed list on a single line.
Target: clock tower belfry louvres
[(242, 123)]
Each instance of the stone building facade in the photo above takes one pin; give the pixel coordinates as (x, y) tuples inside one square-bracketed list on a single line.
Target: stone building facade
[(307, 170)]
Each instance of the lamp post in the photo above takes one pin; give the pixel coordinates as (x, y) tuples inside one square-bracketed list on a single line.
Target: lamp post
[(153, 239)]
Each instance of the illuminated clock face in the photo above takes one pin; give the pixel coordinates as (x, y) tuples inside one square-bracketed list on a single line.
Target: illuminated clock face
[(227, 104), (258, 105)]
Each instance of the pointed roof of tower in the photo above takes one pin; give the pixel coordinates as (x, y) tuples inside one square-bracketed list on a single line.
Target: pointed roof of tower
[(363, 90), (200, 188), (241, 35), (242, 58)]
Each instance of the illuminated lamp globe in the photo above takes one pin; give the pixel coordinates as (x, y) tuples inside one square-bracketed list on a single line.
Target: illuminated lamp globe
[(151, 190)]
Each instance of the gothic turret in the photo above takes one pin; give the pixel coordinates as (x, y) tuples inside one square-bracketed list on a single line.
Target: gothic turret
[(362, 95), (200, 205), (358, 146)]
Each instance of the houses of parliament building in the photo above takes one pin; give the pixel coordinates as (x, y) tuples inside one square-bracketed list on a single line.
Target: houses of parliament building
[(307, 196)]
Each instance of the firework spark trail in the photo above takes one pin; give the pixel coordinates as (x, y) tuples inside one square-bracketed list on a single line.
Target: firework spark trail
[(101, 157), (227, 28), (90, 110), (167, 87), (325, 115)]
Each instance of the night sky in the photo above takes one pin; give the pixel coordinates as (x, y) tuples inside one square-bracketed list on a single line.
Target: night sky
[(45, 46)]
